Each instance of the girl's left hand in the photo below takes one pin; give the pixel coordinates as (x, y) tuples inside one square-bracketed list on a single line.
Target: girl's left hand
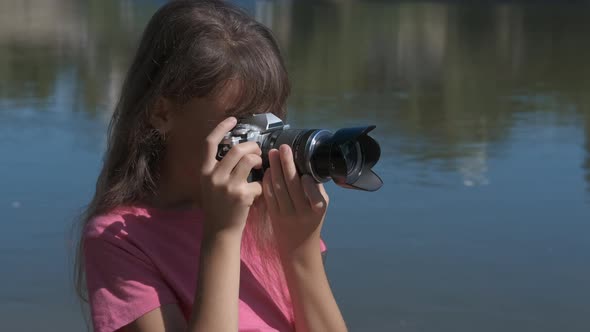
[(296, 205)]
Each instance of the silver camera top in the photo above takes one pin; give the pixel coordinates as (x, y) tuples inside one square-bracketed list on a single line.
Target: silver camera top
[(254, 128), (263, 123), (250, 128)]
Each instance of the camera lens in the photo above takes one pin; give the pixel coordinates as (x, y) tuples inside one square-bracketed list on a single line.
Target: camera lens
[(351, 152), (345, 156)]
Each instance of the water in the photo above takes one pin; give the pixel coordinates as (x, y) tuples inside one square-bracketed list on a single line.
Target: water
[(482, 112)]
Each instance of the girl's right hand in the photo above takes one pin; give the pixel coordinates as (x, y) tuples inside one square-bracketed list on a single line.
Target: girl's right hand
[(226, 194)]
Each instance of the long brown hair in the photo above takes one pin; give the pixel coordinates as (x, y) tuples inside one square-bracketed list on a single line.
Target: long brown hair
[(188, 49)]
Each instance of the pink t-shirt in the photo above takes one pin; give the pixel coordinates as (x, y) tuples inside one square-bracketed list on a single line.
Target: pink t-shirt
[(138, 259)]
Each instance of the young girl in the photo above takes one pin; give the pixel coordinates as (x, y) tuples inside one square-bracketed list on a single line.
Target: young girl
[(175, 240)]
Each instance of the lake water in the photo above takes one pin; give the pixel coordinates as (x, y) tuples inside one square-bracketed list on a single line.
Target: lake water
[(482, 113)]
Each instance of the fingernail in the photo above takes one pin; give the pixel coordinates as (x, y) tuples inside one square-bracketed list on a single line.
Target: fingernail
[(231, 119)]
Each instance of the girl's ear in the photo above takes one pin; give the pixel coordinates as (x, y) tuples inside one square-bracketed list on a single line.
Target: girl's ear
[(161, 115)]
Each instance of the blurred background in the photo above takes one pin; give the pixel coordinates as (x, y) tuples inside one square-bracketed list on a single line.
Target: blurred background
[(483, 115)]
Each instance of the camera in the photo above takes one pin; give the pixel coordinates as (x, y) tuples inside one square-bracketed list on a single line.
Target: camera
[(346, 156)]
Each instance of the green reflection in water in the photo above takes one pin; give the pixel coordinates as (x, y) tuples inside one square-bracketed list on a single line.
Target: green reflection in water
[(442, 78), (447, 79)]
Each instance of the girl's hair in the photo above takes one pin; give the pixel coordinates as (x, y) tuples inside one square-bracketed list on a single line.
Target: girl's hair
[(188, 49)]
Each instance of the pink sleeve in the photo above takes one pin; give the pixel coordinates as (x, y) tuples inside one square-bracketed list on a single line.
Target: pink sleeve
[(122, 283), (323, 247)]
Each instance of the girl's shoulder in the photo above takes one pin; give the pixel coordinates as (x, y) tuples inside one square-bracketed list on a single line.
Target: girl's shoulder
[(98, 224), (143, 223)]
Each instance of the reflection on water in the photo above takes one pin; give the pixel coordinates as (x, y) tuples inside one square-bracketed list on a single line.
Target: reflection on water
[(88, 41), (483, 114), (451, 79)]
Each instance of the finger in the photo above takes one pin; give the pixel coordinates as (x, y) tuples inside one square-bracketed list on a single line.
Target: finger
[(292, 178), (313, 191), (255, 188), (269, 195), (322, 190), (213, 140), (278, 180), (235, 154), (245, 165)]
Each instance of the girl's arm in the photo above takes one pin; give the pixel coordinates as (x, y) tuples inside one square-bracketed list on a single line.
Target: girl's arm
[(216, 300), (226, 197), (314, 305), (297, 206)]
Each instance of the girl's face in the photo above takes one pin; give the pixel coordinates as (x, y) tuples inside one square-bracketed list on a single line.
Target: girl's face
[(187, 127)]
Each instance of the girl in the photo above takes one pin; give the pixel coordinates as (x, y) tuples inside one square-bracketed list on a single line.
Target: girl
[(175, 240)]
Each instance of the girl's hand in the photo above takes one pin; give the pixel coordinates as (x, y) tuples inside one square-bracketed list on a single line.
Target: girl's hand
[(296, 205), (226, 195)]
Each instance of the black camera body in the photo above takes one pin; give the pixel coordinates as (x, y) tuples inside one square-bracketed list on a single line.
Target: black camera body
[(346, 156)]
